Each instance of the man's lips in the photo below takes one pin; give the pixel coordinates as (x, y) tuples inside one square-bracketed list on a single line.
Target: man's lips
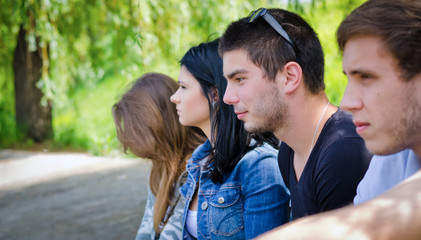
[(361, 126), (241, 115)]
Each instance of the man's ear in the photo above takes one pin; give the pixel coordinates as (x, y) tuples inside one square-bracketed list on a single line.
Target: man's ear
[(293, 75)]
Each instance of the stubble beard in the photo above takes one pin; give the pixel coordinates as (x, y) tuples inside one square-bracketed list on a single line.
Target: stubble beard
[(271, 112), (406, 132)]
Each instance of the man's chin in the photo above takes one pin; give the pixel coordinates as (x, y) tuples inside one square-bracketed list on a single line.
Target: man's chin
[(380, 149), (254, 129)]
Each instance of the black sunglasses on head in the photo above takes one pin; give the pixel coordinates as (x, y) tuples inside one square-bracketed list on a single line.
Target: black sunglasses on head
[(263, 12)]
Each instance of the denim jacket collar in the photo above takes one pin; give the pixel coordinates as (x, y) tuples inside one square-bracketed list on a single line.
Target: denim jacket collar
[(198, 155)]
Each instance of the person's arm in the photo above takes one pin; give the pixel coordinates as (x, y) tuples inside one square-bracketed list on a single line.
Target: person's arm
[(146, 230), (396, 214), (266, 202)]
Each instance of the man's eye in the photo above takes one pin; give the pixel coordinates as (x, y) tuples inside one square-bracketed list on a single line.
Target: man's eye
[(364, 76)]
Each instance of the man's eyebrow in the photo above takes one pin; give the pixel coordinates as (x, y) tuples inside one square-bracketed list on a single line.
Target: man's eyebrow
[(356, 71), (232, 75)]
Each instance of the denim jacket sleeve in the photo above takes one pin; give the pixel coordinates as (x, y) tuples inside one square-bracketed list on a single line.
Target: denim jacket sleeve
[(266, 198)]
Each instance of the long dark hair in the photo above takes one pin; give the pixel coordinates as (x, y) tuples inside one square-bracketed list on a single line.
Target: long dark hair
[(230, 141)]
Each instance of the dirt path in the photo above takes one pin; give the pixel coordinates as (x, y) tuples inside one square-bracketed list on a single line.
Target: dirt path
[(70, 196)]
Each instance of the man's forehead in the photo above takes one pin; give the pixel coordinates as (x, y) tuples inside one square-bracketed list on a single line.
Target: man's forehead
[(359, 49), (236, 57), (235, 52), (233, 61), (365, 50)]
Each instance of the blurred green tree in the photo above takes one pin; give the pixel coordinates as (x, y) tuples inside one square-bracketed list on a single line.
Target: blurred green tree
[(56, 44), (52, 48)]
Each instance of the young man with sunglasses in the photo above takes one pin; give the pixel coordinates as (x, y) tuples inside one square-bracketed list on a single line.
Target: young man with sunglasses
[(381, 48), (274, 65)]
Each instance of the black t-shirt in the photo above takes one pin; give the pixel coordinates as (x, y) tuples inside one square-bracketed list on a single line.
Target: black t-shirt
[(331, 175)]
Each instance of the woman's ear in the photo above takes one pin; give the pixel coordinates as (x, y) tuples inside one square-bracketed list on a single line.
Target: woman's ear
[(215, 95), (214, 98), (294, 76)]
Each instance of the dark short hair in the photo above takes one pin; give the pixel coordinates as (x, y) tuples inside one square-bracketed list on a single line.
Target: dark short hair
[(397, 23), (268, 50)]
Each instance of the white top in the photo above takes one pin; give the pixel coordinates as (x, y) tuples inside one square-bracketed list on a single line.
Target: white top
[(191, 223), (385, 172)]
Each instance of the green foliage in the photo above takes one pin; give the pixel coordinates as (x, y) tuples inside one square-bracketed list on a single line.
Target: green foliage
[(96, 47), (86, 121), (81, 42), (325, 17)]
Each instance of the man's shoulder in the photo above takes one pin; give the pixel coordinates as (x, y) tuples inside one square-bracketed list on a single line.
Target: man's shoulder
[(340, 118), (339, 126), (339, 140)]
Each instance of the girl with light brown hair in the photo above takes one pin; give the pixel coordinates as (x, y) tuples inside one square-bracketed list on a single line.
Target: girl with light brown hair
[(147, 125)]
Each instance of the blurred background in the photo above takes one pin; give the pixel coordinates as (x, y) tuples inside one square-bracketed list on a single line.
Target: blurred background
[(64, 63)]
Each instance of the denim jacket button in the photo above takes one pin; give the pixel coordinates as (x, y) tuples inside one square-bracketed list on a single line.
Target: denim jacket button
[(204, 205), (221, 200)]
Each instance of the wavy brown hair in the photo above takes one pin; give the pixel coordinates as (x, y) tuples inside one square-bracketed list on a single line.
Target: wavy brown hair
[(147, 125)]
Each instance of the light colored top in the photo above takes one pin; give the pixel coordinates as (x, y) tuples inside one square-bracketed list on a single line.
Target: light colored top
[(191, 222), (385, 172)]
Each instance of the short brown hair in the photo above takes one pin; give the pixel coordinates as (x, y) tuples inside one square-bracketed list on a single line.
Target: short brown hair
[(396, 22)]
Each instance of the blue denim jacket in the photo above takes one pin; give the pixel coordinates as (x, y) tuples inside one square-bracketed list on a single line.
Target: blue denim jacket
[(252, 200)]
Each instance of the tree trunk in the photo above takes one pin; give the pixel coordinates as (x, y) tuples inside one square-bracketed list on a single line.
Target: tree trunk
[(32, 119)]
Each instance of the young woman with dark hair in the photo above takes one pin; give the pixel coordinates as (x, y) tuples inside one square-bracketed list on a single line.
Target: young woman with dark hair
[(234, 189), (147, 125)]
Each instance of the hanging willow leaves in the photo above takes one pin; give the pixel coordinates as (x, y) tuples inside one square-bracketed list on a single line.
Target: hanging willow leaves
[(82, 42)]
